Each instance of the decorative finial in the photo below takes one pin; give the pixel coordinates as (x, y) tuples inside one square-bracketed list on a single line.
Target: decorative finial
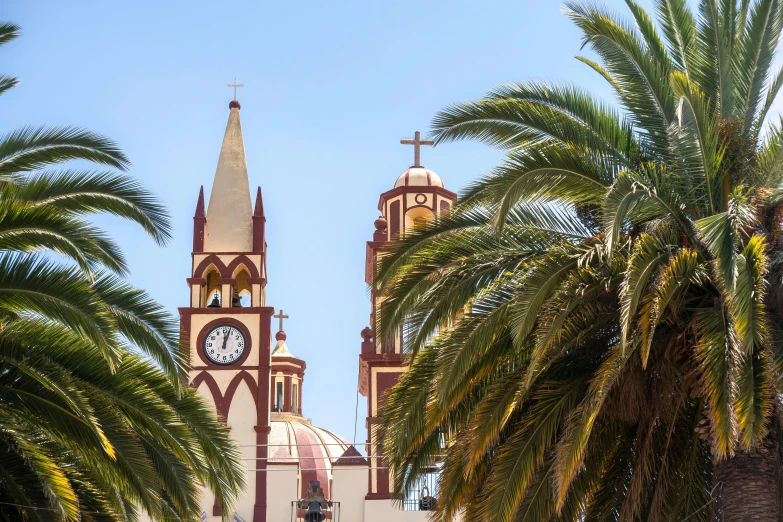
[(367, 334), (200, 204), (381, 224), (417, 142), (258, 211), (234, 104), (280, 336)]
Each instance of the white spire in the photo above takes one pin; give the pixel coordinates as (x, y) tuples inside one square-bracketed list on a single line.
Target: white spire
[(229, 215)]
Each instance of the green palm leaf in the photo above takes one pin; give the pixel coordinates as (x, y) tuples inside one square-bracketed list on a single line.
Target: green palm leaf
[(678, 26), (84, 192), (33, 148)]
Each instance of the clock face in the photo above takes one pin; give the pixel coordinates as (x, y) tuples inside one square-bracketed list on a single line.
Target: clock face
[(224, 344)]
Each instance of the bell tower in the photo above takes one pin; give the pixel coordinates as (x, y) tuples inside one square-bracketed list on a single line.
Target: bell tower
[(418, 196), (227, 324)]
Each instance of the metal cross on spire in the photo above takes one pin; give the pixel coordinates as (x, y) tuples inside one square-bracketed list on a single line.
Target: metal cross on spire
[(281, 316), (417, 142), (235, 85)]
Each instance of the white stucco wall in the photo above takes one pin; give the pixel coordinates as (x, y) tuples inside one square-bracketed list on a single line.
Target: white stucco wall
[(349, 487), (241, 420), (281, 490)]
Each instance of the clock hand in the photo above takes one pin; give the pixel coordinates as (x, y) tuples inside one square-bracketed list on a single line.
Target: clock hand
[(225, 340)]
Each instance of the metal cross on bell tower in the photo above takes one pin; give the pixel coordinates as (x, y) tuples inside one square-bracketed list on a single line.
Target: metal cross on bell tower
[(280, 316), (417, 142), (235, 85)]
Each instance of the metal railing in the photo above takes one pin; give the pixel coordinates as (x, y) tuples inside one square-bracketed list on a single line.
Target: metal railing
[(423, 494), (331, 513)]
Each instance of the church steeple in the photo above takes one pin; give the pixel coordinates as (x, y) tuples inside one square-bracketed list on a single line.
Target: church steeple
[(229, 225)]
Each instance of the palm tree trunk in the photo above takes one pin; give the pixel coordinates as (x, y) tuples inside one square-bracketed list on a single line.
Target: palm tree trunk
[(748, 484)]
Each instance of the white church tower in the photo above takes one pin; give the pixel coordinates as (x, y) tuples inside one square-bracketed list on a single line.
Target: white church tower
[(227, 324)]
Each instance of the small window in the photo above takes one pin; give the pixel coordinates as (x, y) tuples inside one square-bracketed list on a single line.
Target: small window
[(279, 406), (295, 398)]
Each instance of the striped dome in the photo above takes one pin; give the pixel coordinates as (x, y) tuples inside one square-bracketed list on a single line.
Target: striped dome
[(296, 441)]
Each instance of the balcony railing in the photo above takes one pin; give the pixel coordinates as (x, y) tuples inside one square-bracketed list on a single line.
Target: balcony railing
[(423, 494), (331, 513)]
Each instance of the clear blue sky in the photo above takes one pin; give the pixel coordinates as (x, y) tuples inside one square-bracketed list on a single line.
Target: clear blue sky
[(330, 88)]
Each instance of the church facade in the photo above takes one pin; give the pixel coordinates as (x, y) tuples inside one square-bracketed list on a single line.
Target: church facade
[(255, 383)]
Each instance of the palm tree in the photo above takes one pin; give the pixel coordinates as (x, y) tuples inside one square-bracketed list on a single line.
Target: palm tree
[(95, 423), (594, 333)]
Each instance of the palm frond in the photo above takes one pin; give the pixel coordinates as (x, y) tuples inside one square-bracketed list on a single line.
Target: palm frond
[(756, 51), (7, 83), (33, 148), (29, 285), (682, 270), (650, 252), (719, 353), (572, 448), (8, 32), (753, 403), (524, 452), (82, 192), (695, 139), (712, 60), (679, 28), (518, 113), (643, 81)]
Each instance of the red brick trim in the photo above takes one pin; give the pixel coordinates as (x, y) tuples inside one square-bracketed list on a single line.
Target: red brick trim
[(226, 270), (381, 496), (447, 194), (217, 397), (223, 402), (242, 260), (284, 363), (187, 312)]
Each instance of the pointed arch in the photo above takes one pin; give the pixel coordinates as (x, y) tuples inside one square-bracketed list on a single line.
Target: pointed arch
[(242, 260), (232, 389), (226, 270), (217, 397), (238, 269), (223, 402), (211, 259)]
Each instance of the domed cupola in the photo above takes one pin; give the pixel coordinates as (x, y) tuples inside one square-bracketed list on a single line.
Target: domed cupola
[(418, 195), (313, 450), (419, 177)]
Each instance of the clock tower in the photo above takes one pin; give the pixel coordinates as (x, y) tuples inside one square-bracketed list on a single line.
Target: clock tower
[(227, 323)]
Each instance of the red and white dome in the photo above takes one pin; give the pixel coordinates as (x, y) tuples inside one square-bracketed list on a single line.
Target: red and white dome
[(295, 441), (419, 177)]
